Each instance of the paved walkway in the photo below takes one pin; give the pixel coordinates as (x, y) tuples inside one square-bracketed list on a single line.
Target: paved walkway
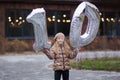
[(35, 67)]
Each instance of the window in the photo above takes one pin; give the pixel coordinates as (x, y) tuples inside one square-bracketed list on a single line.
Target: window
[(16, 24), (58, 21), (18, 27), (118, 24), (110, 24)]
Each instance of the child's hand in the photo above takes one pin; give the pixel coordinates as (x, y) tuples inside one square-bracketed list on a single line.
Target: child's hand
[(77, 49)]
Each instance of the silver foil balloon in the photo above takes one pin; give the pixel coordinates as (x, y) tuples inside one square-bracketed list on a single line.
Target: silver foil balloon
[(92, 13), (38, 18)]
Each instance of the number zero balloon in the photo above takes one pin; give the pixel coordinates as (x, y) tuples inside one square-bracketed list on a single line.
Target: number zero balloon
[(92, 13)]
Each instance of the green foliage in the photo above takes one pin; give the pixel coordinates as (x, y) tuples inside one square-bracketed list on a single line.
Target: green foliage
[(16, 46), (110, 64)]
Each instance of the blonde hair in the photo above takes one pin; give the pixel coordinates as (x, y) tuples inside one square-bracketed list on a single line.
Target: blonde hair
[(56, 47)]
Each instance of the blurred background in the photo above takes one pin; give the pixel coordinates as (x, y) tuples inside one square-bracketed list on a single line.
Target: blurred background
[(17, 35)]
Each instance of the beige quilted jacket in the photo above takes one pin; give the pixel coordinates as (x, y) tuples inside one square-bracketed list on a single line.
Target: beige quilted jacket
[(62, 59)]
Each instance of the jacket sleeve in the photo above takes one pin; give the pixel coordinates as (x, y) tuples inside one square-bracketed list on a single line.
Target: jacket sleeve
[(49, 53), (73, 54)]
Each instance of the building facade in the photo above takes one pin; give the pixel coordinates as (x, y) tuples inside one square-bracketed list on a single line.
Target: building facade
[(13, 13)]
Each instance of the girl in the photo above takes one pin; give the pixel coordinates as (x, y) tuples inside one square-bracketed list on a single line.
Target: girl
[(61, 53)]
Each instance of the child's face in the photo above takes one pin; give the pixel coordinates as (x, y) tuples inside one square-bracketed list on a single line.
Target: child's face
[(60, 40)]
